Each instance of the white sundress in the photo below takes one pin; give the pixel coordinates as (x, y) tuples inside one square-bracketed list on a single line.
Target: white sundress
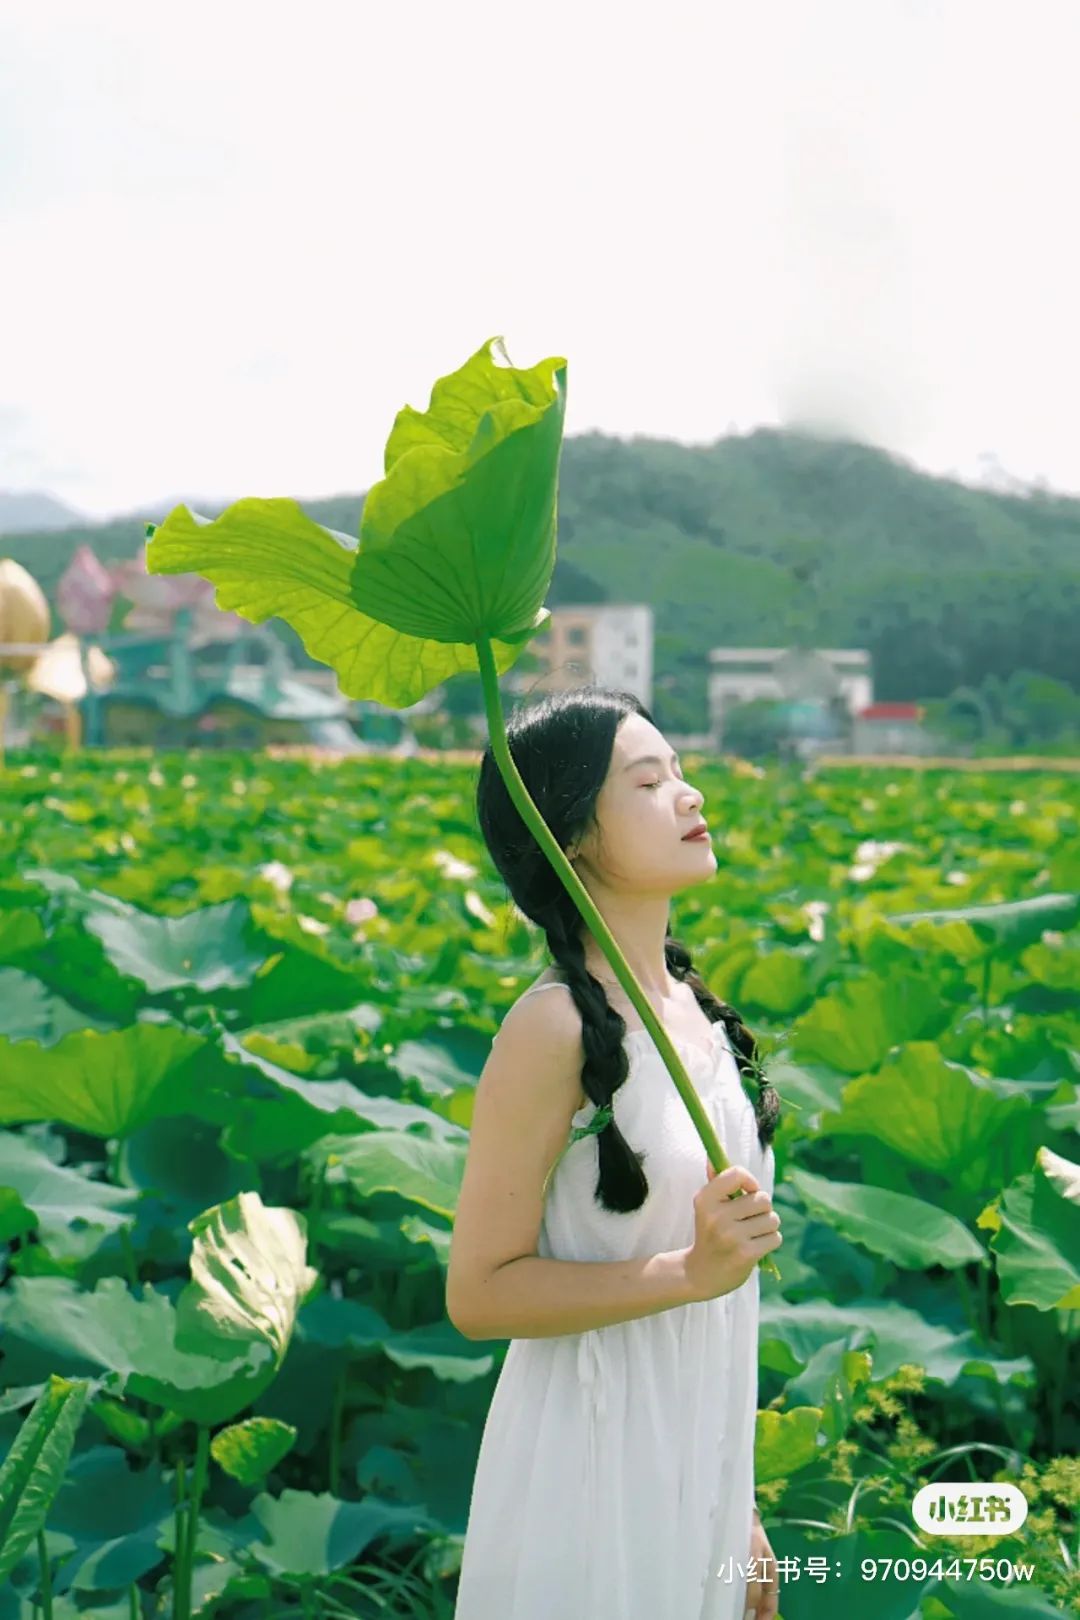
[(615, 1479)]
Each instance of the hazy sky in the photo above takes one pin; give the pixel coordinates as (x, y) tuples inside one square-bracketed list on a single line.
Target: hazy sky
[(236, 238)]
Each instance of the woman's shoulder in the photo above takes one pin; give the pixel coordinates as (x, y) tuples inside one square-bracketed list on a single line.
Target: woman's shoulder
[(549, 976), (549, 979)]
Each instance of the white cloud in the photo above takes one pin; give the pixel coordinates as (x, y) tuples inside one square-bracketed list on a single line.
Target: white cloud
[(239, 238)]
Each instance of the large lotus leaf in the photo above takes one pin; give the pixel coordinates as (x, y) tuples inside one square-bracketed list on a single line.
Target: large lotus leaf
[(856, 1025), (386, 1244), (907, 1231), (974, 1131), (223, 1581), (1065, 1116), (73, 963), (33, 1469), (308, 1535), (884, 942), (1055, 965), (1038, 1240), (49, 1322), (21, 933), (303, 977), (107, 1521), (301, 1111), (181, 1167), (73, 897), (111, 1083), (414, 1167), (779, 981), (456, 542), (1012, 924), (785, 1442), (791, 1334), (249, 1277), (31, 1011), (15, 1218), (213, 948), (65, 1201), (339, 1324)]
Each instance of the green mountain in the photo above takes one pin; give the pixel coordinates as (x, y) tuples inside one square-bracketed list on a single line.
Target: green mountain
[(775, 537)]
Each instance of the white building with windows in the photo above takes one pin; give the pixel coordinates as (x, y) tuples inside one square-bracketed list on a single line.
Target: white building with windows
[(740, 674), (606, 643)]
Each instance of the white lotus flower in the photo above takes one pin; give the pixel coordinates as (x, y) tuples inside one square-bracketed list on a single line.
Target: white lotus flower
[(451, 867), (277, 874), (361, 910)]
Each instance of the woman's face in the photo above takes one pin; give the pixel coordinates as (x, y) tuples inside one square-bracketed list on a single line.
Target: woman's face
[(644, 809)]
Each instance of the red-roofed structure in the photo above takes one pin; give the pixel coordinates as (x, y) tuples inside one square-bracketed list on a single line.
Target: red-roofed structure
[(891, 711)]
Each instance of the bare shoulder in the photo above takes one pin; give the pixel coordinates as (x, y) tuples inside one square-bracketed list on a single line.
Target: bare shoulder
[(554, 1011), (545, 1028)]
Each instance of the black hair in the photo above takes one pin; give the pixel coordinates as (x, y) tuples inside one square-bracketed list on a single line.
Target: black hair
[(562, 746)]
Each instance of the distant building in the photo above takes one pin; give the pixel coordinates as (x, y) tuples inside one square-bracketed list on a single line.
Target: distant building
[(183, 688), (606, 643), (892, 728), (839, 678)]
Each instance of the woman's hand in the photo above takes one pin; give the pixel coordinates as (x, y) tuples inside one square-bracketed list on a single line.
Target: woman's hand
[(762, 1596)]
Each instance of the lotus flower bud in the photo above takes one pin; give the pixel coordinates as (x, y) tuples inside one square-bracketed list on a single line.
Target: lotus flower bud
[(24, 614)]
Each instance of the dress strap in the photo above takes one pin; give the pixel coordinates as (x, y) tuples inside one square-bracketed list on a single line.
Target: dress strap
[(552, 984)]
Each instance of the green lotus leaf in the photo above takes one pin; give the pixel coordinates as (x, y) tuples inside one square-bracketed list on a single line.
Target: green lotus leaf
[(1037, 1243), (32, 1011), (21, 934), (209, 949), (791, 1335), (111, 1083), (785, 1442), (779, 981), (415, 1167), (73, 1213), (1011, 923), (1055, 965), (249, 1449), (857, 1022), (15, 1218), (113, 1520), (249, 1278), (33, 1469), (52, 1322), (457, 542), (908, 1231), (309, 1535), (972, 1129)]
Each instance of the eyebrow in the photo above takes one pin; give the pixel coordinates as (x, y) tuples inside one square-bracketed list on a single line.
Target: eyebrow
[(649, 759)]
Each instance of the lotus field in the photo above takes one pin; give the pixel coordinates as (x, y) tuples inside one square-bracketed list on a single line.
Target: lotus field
[(244, 1002)]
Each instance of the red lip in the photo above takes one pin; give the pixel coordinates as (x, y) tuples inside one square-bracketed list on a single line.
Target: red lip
[(698, 832)]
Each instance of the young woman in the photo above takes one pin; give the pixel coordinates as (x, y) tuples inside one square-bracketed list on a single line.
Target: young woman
[(615, 1474)]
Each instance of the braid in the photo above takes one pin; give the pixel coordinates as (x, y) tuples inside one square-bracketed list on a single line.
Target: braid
[(767, 1102), (621, 1186)]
